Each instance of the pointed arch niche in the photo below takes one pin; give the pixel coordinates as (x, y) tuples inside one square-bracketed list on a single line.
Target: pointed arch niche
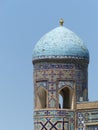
[(41, 102), (66, 99)]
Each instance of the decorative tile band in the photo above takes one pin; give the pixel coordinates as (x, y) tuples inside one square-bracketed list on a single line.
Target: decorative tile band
[(53, 113), (54, 120), (54, 66), (60, 57), (88, 117)]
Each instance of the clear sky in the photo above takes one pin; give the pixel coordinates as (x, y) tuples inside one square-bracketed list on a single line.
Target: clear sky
[(22, 23)]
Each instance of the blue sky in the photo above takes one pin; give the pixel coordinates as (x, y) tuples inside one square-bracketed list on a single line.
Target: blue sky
[(22, 23)]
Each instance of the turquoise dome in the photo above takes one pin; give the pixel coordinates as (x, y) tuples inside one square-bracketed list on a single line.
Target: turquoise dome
[(60, 43)]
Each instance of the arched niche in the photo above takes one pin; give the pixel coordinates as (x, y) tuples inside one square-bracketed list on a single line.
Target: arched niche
[(41, 98), (65, 97)]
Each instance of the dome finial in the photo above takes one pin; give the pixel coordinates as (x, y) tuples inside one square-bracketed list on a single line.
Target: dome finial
[(61, 22)]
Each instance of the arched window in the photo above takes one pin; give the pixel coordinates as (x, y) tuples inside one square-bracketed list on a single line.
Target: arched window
[(41, 98), (65, 98)]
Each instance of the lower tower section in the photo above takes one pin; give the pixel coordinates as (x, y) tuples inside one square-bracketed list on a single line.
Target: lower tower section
[(58, 86), (54, 120)]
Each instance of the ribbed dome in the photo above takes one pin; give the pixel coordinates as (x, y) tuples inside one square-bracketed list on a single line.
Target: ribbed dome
[(60, 42)]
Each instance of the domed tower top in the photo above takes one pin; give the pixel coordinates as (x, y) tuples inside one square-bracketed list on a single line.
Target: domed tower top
[(60, 43)]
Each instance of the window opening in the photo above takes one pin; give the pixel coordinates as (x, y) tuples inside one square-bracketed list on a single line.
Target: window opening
[(64, 98)]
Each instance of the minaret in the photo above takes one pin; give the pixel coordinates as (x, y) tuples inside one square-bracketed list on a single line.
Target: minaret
[(60, 61)]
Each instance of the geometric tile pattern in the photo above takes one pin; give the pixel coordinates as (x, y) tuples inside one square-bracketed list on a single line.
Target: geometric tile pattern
[(49, 125), (87, 116), (53, 113), (53, 76), (54, 120)]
